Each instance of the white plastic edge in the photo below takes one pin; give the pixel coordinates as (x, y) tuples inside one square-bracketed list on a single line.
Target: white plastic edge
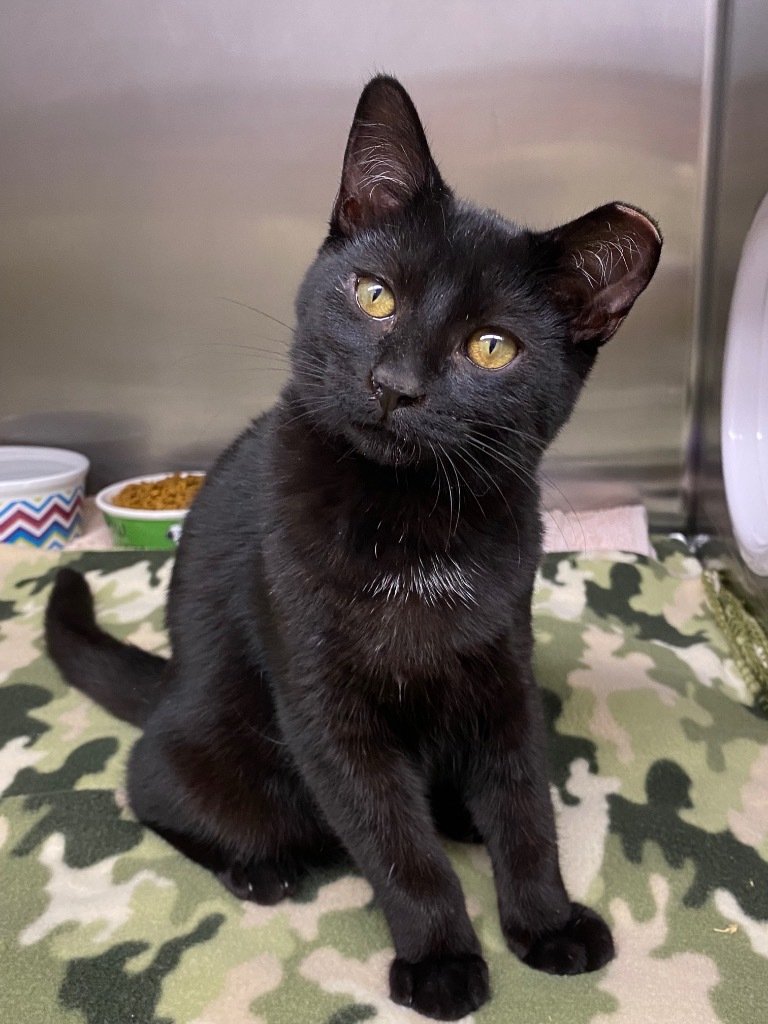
[(744, 433), (74, 468)]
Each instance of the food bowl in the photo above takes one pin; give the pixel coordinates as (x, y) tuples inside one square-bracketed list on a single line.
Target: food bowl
[(41, 495), (153, 529)]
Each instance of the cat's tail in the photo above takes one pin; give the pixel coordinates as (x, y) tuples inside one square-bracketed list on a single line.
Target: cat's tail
[(125, 680)]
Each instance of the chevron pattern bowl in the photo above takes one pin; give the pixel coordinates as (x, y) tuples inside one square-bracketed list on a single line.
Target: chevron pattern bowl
[(41, 495)]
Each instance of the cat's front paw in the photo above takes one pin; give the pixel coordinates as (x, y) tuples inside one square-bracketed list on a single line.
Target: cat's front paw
[(443, 987), (583, 943)]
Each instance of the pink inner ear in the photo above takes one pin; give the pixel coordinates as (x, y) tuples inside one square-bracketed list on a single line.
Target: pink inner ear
[(387, 161), (618, 254), (606, 260), (350, 210), (361, 214)]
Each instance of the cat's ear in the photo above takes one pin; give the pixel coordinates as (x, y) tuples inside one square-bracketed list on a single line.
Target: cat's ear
[(387, 162), (598, 265)]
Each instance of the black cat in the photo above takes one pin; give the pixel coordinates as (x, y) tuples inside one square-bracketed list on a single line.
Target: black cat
[(350, 607)]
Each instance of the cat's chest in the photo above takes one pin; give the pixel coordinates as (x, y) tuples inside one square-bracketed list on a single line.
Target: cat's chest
[(418, 616), (431, 581), (389, 612)]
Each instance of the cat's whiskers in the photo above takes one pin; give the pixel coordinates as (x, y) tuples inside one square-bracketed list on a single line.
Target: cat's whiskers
[(311, 365), (534, 438), (243, 347), (517, 470), (478, 469), (274, 319), (346, 453), (485, 474), (458, 476), (233, 373), (437, 478), (311, 414), (437, 450), (275, 361), (313, 378), (475, 469), (523, 475), (551, 483), (543, 476), (504, 459), (448, 464)]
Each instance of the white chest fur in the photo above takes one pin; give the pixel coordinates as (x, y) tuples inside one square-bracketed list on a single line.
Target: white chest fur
[(434, 580)]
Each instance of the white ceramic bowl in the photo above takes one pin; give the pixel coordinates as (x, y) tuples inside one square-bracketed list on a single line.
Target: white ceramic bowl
[(41, 495)]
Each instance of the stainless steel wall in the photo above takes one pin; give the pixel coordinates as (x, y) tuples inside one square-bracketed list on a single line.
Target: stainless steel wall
[(161, 158)]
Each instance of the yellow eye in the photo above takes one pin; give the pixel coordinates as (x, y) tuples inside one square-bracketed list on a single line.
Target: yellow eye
[(374, 298), (491, 349)]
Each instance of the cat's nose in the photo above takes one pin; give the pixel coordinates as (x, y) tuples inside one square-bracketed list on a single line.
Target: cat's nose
[(395, 389)]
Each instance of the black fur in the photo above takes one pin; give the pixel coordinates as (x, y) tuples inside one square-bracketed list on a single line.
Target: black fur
[(350, 607), (127, 681)]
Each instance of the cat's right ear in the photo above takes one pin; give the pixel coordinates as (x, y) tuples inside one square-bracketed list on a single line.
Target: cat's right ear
[(597, 266), (387, 162)]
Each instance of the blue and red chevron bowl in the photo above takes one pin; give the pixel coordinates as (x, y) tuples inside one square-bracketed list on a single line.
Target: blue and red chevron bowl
[(41, 495)]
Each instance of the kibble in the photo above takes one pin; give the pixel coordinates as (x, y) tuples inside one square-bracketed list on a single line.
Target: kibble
[(171, 492)]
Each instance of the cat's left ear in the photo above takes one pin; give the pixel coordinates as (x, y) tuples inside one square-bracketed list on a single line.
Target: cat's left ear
[(598, 265), (387, 162)]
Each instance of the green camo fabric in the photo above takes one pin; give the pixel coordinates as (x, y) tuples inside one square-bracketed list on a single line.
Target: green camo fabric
[(659, 770)]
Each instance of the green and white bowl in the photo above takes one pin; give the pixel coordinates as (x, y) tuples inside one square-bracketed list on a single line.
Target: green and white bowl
[(152, 529)]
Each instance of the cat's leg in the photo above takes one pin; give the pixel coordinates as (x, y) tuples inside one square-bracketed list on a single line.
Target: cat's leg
[(508, 796), (264, 871), (375, 801), (222, 788)]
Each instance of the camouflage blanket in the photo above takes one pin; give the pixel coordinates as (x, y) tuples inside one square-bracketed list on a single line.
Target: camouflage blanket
[(659, 769)]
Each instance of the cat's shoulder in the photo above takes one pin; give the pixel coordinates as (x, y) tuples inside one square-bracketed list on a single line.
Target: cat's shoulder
[(246, 453)]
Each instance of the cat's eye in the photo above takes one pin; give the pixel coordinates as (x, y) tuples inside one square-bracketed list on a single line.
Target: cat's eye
[(491, 349), (374, 298)]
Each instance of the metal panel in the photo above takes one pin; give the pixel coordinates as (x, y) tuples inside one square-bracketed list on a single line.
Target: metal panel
[(161, 158)]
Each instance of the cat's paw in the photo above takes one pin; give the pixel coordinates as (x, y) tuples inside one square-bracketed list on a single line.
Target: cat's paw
[(584, 943), (443, 987), (260, 881)]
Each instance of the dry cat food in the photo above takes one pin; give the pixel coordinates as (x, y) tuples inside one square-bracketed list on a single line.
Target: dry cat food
[(171, 492)]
